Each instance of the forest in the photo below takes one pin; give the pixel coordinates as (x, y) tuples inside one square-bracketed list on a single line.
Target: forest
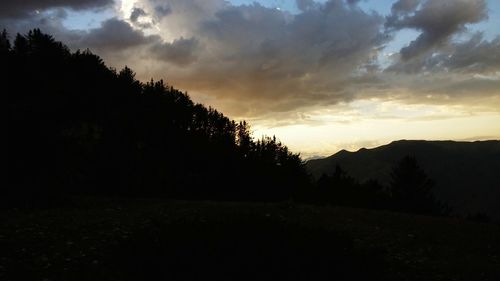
[(79, 128), (76, 126)]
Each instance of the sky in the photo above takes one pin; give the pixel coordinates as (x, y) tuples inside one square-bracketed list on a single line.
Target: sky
[(320, 75)]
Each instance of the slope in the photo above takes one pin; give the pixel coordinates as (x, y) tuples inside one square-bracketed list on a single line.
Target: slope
[(466, 173)]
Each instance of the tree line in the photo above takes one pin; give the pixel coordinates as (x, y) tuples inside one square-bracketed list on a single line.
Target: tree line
[(409, 190), (77, 127)]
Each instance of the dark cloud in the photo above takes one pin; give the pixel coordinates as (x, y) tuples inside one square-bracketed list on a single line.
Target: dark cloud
[(474, 55), (50, 22), (261, 54), (162, 11), (136, 14), (353, 2), (256, 62), (304, 5), (405, 6), (115, 35), (181, 52), (24, 8), (252, 60), (438, 20), (135, 17)]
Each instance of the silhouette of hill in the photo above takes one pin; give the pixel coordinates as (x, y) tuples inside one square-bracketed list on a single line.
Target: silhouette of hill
[(466, 174), (78, 127)]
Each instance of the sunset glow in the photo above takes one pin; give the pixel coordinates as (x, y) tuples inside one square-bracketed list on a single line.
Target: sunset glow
[(320, 75)]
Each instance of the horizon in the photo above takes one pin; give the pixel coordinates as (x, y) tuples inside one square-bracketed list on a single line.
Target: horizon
[(354, 150), (174, 139), (322, 76)]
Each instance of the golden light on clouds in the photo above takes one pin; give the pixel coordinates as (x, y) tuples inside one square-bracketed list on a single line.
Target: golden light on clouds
[(373, 123), (321, 76)]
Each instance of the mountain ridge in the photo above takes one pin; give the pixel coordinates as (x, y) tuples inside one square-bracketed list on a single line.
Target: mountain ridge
[(466, 173)]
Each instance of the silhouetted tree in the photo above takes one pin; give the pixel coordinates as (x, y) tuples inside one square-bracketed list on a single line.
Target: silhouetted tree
[(410, 188), (339, 188), (76, 127), (244, 138), (20, 44), (4, 42)]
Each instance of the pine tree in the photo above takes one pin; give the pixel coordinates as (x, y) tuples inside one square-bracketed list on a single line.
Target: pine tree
[(4, 42), (411, 188)]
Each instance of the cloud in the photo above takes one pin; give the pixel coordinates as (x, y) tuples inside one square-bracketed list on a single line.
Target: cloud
[(24, 8), (474, 56), (139, 18), (115, 40), (304, 5), (115, 35), (405, 6), (50, 22), (259, 63), (437, 20), (473, 88), (352, 2), (181, 52), (282, 62), (180, 18), (162, 10), (474, 92), (136, 14), (251, 60)]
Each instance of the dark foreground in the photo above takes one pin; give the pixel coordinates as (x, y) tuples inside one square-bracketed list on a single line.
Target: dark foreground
[(178, 240)]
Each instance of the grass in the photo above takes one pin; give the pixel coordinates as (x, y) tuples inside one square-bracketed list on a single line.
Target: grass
[(192, 240)]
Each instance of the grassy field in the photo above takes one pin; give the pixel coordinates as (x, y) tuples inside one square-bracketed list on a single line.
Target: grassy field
[(192, 240)]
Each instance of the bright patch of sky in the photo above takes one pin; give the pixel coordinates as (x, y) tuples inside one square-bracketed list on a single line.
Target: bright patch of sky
[(490, 27), (388, 121)]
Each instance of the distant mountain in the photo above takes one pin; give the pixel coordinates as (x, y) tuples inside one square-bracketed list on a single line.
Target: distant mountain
[(467, 174)]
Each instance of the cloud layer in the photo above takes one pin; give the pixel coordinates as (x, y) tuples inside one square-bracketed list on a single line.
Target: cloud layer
[(266, 58), (25, 8), (437, 20), (259, 62)]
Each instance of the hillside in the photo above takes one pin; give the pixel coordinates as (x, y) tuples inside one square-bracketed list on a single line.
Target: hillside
[(466, 173), (97, 131), (181, 240)]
